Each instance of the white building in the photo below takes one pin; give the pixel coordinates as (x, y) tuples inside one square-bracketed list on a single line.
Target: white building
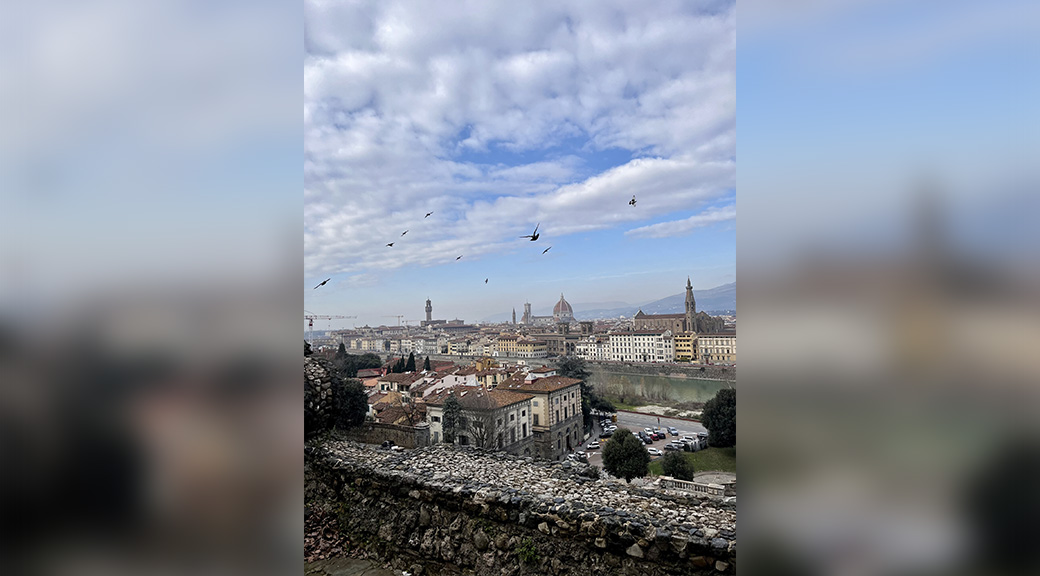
[(642, 346)]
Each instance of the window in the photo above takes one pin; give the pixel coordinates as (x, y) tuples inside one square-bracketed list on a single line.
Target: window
[(436, 437), (499, 421), (525, 430), (535, 419), (436, 418), (557, 415), (512, 417), (512, 435), (523, 413), (535, 403)]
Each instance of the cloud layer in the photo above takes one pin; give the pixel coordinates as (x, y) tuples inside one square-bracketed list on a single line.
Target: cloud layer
[(497, 117)]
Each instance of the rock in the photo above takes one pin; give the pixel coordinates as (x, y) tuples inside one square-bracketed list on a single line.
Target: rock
[(501, 542), (721, 566), (601, 543), (719, 544), (543, 528), (480, 540), (634, 550)]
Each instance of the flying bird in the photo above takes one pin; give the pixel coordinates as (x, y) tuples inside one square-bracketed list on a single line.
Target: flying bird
[(459, 258), (326, 281), (632, 202), (428, 214), (533, 235), (485, 280), (391, 244), (403, 233), (546, 250)]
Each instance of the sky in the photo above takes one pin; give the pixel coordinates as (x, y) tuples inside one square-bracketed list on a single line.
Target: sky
[(497, 117)]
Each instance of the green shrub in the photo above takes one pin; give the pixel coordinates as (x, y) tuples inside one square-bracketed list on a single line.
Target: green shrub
[(528, 552)]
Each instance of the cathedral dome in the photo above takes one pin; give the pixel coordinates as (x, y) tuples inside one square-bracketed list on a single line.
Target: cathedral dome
[(563, 312)]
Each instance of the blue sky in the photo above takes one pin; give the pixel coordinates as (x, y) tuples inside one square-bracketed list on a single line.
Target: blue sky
[(500, 117)]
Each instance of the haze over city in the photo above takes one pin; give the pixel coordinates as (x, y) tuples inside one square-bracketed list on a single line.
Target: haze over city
[(558, 121)]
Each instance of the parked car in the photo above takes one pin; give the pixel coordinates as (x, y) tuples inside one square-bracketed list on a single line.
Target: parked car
[(593, 446), (606, 434), (688, 438), (671, 447), (702, 435), (653, 451), (659, 436), (673, 431)]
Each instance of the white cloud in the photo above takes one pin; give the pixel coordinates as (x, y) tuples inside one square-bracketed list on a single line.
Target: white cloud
[(402, 100), (682, 227)]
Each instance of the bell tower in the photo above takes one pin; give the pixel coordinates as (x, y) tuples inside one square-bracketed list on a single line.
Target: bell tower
[(691, 307), (429, 310)]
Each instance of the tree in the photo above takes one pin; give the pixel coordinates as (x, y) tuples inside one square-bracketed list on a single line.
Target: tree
[(720, 418), (450, 418), (307, 348), (625, 456), (350, 403), (410, 365), (676, 465), (426, 364), (480, 417), (572, 367), (341, 352)]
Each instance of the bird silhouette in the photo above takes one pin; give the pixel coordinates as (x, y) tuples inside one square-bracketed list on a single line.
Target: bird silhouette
[(485, 280), (391, 244), (428, 214), (403, 233), (459, 258), (546, 250), (533, 235), (326, 281), (632, 202)]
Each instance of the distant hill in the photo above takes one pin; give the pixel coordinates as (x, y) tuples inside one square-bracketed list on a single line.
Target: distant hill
[(713, 299), (718, 298)]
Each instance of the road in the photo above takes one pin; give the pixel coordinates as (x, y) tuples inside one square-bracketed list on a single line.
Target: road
[(635, 423)]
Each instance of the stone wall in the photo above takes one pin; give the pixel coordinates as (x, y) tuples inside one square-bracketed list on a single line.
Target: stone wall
[(377, 432), (446, 510)]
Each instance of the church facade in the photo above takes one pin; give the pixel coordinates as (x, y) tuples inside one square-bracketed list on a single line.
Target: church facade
[(677, 323)]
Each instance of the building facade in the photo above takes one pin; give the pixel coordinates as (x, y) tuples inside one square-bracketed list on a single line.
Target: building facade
[(717, 348), (492, 419), (642, 346), (556, 413)]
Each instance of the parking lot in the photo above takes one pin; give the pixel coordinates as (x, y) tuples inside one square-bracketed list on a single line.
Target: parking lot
[(635, 423)]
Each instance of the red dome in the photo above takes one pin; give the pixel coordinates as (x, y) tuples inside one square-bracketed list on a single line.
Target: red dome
[(562, 308)]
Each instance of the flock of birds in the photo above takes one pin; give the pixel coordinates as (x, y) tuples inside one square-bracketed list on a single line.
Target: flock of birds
[(533, 236)]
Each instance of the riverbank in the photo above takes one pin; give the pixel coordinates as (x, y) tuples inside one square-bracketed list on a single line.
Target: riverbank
[(691, 415)]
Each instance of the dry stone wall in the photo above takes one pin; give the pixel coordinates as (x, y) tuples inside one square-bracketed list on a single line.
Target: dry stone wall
[(451, 510)]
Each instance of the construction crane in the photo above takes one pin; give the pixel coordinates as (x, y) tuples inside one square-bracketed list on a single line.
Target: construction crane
[(398, 316), (310, 318)]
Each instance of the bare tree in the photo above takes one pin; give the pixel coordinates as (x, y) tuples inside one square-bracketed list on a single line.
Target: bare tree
[(481, 411)]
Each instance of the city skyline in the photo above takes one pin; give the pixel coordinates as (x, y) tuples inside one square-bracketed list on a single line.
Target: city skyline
[(468, 140)]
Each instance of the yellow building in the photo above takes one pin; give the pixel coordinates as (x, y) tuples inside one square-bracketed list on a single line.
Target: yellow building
[(531, 349), (717, 348), (686, 347)]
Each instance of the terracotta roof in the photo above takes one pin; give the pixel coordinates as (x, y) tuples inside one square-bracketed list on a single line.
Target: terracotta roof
[(406, 378), (476, 398), (550, 384), (369, 372), (642, 315), (543, 370)]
